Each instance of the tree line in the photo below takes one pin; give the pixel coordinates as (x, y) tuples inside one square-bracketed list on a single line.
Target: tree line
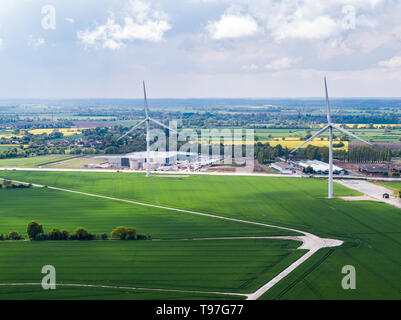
[(35, 232), (266, 154)]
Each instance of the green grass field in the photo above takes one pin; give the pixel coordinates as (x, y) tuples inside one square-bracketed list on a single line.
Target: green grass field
[(36, 292), (75, 163), (370, 229), (67, 210), (32, 162), (6, 148), (210, 265), (393, 185), (377, 134)]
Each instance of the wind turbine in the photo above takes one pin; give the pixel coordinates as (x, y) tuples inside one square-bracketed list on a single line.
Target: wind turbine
[(147, 120), (330, 126)]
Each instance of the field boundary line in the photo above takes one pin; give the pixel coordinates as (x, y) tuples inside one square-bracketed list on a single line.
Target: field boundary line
[(16, 284)]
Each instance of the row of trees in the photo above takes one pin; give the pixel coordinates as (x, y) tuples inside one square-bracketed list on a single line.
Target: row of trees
[(363, 154), (8, 184), (35, 233), (265, 153)]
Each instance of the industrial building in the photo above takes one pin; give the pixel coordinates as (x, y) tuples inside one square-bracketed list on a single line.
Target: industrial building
[(283, 168), (157, 159), (320, 167)]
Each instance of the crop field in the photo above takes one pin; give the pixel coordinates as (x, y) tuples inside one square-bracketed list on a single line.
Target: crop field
[(8, 146), (68, 210), (378, 134), (172, 260), (292, 143), (32, 162), (64, 131), (76, 163), (393, 185), (185, 265), (369, 229)]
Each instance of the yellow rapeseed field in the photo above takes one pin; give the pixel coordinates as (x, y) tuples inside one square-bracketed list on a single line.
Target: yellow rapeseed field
[(64, 131), (292, 144)]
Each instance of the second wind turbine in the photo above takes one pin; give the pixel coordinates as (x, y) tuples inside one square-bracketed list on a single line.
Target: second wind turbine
[(330, 126)]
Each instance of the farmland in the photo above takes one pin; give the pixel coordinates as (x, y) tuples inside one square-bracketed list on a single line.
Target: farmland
[(184, 265), (370, 230), (394, 185), (66, 210), (378, 134), (64, 131), (32, 162), (168, 262), (75, 163)]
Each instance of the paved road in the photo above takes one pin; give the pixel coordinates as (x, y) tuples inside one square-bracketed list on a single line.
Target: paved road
[(371, 190)]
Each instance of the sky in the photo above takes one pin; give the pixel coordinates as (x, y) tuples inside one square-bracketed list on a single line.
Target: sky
[(199, 48)]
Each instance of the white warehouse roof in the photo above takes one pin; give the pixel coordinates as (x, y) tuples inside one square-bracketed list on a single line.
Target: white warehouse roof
[(318, 166)]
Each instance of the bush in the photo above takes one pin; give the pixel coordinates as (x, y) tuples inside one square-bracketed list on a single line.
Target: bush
[(65, 234), (104, 236), (309, 170), (338, 145), (7, 183), (119, 233), (34, 229), (55, 234), (14, 235), (41, 237), (1, 237), (82, 234), (124, 233), (131, 234), (144, 237)]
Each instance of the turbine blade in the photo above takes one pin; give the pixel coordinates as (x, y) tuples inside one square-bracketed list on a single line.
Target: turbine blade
[(145, 101), (312, 138), (327, 102), (162, 125), (350, 134), (132, 129)]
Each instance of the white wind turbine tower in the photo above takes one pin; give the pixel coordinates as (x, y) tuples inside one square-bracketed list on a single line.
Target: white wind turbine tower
[(330, 126), (147, 120)]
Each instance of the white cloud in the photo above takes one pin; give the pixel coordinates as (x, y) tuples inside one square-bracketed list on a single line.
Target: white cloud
[(1, 42), (232, 26), (70, 20), (36, 42), (283, 63), (394, 62), (311, 19), (318, 28), (250, 67), (141, 23)]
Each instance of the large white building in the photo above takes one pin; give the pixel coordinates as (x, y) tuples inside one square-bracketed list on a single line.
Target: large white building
[(137, 160), (320, 167)]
